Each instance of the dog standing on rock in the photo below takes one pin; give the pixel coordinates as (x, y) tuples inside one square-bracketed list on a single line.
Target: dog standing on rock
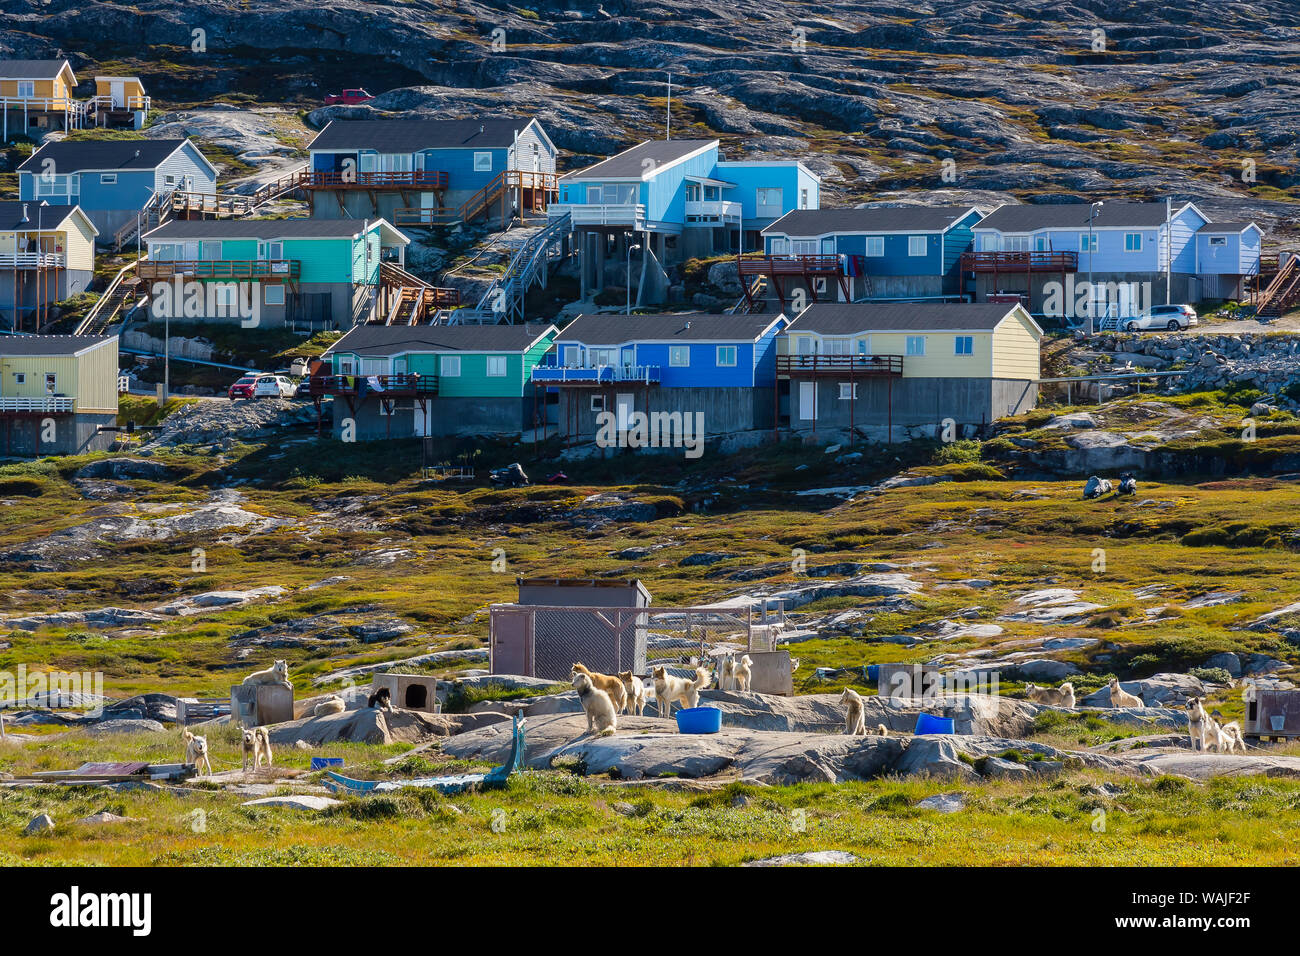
[(855, 716), (196, 751), (256, 744), (601, 716), (634, 687), (612, 686), (1062, 696), (679, 690), (1120, 698)]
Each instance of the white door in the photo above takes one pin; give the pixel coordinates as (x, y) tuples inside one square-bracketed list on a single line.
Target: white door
[(191, 252), (807, 401), (623, 405), (423, 423), (117, 94)]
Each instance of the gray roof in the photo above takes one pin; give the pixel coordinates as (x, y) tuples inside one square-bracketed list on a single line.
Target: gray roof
[(412, 135), (49, 344), (258, 229), (72, 155), (845, 318), (1025, 217), (48, 216), (632, 163), (31, 69), (617, 329), (396, 339), (1226, 226), (914, 218)]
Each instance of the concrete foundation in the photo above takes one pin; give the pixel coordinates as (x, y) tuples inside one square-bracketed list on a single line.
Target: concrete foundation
[(23, 436), (375, 421)]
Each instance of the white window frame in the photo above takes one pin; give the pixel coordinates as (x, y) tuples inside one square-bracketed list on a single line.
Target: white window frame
[(483, 162), (449, 366), (108, 179), (269, 288), (1218, 241), (912, 242), (51, 383), (734, 355), (844, 391), (603, 356), (915, 346), (875, 247), (20, 378), (1128, 236), (571, 356), (957, 342), (679, 356), (1084, 240), (495, 362), (26, 89), (598, 403), (781, 246)]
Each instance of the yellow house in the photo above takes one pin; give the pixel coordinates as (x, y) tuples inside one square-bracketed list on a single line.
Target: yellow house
[(55, 393), (119, 101), (47, 254), (37, 96), (919, 369)]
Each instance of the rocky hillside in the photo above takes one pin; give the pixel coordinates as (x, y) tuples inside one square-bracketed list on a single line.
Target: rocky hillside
[(1042, 100)]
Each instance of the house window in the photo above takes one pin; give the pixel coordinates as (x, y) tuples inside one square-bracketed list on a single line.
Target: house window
[(780, 247), (692, 192), (270, 251), (1132, 242), (916, 345), (804, 247), (169, 180), (108, 179), (496, 366), (273, 295), (346, 366), (835, 346), (51, 383), (604, 357), (845, 392), (20, 378), (1087, 243), (768, 198), (965, 345), (1218, 240), (482, 162), (803, 199), (875, 245), (819, 285), (726, 355), (679, 355), (26, 89), (1041, 244), (917, 245), (450, 366), (212, 250), (598, 403), (572, 356)]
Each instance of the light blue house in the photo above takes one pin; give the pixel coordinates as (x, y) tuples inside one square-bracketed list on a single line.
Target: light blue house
[(675, 199), (112, 180), (1109, 259), (429, 172), (721, 366), (867, 253)]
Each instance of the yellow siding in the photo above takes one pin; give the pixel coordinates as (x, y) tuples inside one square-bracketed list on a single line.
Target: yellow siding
[(1016, 349), (97, 379), (91, 377), (130, 87), (79, 244), (56, 89), (940, 359)]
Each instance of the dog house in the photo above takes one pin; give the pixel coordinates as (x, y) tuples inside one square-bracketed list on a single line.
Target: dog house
[(411, 691), (1272, 713), (261, 704), (909, 680), (558, 621)]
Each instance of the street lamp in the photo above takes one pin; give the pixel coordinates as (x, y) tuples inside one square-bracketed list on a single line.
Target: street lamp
[(632, 247), (1092, 290)]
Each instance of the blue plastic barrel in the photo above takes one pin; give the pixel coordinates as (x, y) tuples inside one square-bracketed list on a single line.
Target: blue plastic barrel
[(873, 672), (699, 720), (930, 724)]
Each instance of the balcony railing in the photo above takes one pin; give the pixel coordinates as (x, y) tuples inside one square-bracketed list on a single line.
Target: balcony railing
[(595, 375), (717, 210), (355, 179), (278, 269), (44, 403), (32, 260), (600, 214), (863, 365), (103, 103), (790, 265), (402, 385), (42, 104), (1021, 261)]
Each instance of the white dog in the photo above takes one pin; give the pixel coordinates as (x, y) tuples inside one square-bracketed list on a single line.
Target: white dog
[(257, 744), (635, 701), (882, 730), (1062, 696), (277, 673), (670, 689), (601, 717), (1120, 698), (1231, 738), (1198, 722), (855, 717), (741, 673), (334, 704), (196, 752)]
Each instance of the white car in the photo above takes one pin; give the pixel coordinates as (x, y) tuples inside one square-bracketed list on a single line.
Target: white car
[(1173, 318), (273, 386)]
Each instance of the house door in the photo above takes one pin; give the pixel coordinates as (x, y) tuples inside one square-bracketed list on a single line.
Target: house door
[(423, 421), (117, 94), (807, 401), (624, 404)]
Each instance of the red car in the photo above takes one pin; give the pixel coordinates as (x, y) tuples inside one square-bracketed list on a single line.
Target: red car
[(348, 98), (243, 388)]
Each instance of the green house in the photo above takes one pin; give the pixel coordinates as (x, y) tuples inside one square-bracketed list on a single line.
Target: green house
[(266, 273), (401, 381)]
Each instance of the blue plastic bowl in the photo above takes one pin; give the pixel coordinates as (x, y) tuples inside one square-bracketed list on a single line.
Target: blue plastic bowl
[(930, 724), (699, 720)]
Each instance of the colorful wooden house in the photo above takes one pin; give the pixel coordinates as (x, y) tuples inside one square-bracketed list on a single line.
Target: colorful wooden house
[(677, 199), (119, 101), (430, 172), (1109, 259), (720, 366), (888, 371), (393, 381), (47, 253), (113, 180), (55, 392), (36, 96), (305, 273), (872, 252)]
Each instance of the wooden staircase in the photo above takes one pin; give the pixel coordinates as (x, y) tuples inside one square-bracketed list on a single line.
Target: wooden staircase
[(409, 299), (536, 190), (1282, 294), (118, 300)]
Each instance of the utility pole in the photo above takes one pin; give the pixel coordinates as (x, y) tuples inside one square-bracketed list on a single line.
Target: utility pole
[(669, 133)]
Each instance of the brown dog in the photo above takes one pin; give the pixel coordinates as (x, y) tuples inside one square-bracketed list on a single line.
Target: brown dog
[(610, 685)]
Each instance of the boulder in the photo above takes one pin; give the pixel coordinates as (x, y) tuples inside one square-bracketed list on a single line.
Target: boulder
[(1227, 661), (943, 802), (298, 801), (1159, 690), (936, 756), (372, 726), (44, 823), (125, 726), (1045, 669), (812, 858)]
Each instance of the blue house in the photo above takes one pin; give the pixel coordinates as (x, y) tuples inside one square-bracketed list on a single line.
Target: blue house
[(1108, 259), (867, 253), (721, 366), (113, 180), (676, 199), (429, 172)]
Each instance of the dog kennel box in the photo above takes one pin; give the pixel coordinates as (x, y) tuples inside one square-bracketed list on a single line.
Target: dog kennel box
[(770, 672), (261, 704), (410, 691), (908, 680), (1272, 713)]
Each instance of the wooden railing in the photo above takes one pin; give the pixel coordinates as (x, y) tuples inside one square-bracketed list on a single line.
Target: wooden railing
[(403, 384), (820, 364), (595, 375), (532, 182), (789, 265), (1023, 261), (103, 103), (221, 268), (355, 179)]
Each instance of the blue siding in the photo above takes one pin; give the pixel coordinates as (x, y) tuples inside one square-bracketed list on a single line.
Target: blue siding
[(755, 361), (790, 178), (1238, 256), (665, 193), (959, 239)]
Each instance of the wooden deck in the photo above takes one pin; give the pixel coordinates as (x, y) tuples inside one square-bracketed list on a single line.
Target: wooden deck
[(279, 270), (1026, 261)]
